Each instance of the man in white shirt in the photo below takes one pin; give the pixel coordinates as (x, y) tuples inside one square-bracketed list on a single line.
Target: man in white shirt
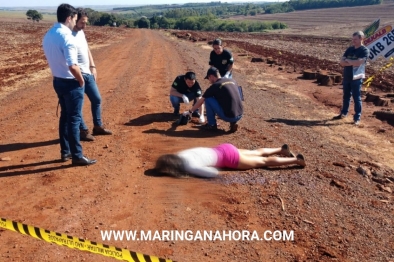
[(89, 73), (61, 52)]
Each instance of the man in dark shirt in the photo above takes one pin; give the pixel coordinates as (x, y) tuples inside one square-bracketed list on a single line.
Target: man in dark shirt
[(222, 59), (353, 61), (184, 89), (222, 98)]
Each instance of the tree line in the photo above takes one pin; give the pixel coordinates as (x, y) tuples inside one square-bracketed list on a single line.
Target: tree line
[(208, 23), (295, 5)]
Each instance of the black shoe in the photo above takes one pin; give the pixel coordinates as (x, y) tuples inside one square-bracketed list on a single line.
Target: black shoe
[(100, 130), (209, 127), (301, 160), (196, 114), (338, 117), (66, 157), (176, 112), (84, 135), (83, 161), (286, 151), (233, 127)]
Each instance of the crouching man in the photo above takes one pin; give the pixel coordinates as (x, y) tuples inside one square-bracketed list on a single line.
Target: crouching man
[(222, 98), (184, 89)]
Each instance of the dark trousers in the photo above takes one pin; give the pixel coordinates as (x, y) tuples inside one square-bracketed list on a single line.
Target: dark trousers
[(70, 96)]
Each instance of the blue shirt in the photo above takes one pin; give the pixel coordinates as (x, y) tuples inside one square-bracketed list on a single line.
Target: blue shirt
[(60, 50)]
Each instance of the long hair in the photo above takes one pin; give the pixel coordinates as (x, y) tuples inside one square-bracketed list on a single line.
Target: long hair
[(171, 165)]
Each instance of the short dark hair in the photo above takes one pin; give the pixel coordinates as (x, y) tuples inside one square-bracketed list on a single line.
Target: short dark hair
[(64, 11), (81, 13), (360, 34), (190, 75), (217, 42), (171, 165), (213, 71)]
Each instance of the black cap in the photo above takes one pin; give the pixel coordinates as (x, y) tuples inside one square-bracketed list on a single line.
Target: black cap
[(190, 75), (217, 41), (212, 71)]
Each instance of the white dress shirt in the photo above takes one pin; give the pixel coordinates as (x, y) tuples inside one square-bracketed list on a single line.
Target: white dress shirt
[(60, 50)]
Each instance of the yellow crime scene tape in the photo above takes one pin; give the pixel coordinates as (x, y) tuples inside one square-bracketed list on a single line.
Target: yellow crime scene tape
[(78, 243), (369, 81)]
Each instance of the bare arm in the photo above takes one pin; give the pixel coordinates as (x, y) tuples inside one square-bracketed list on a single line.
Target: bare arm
[(76, 72), (198, 104), (344, 62), (92, 65), (173, 92), (357, 62)]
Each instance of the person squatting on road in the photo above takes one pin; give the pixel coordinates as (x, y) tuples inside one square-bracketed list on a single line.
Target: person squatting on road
[(61, 52), (222, 59), (353, 61), (89, 73), (204, 161), (184, 89), (222, 98)]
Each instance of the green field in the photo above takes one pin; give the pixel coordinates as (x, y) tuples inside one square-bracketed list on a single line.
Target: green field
[(22, 15)]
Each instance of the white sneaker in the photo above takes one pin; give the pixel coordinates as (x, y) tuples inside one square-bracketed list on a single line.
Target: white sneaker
[(201, 120)]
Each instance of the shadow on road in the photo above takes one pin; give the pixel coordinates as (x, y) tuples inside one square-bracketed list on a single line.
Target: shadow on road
[(151, 118), (297, 122), (20, 146), (197, 133), (9, 173)]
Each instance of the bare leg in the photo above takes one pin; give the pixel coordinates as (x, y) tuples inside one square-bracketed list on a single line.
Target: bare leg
[(250, 161), (284, 150)]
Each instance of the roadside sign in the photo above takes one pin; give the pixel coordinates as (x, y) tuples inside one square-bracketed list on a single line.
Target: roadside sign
[(380, 42)]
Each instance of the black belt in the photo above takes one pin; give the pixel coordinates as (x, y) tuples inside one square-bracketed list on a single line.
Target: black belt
[(64, 79)]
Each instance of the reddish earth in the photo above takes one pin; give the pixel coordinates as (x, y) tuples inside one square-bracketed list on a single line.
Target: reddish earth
[(336, 213)]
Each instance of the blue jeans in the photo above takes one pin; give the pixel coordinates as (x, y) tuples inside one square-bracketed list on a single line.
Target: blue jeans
[(213, 108), (94, 96), (175, 101), (70, 96), (350, 88)]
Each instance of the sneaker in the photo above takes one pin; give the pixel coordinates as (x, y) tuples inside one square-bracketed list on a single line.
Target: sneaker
[(233, 127), (338, 117), (201, 120), (84, 135), (100, 130), (286, 151), (209, 127), (196, 114), (66, 157), (357, 122), (301, 160)]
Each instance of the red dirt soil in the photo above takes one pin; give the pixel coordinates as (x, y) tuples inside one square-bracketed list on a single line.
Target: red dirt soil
[(336, 213)]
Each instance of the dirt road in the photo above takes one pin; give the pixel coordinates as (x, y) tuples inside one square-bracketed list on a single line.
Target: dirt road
[(335, 212)]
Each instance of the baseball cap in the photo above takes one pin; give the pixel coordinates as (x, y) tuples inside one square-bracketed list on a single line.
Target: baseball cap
[(190, 75), (212, 71), (217, 41)]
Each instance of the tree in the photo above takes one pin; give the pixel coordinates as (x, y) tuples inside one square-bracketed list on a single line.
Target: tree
[(37, 17), (143, 22), (34, 15)]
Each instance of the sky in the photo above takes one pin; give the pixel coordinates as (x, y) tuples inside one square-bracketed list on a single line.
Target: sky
[(34, 3)]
